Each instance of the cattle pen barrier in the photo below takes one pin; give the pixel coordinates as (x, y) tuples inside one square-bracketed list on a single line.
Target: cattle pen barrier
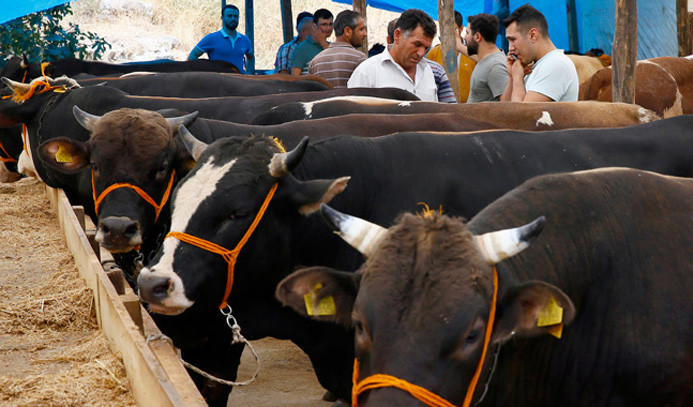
[(155, 372)]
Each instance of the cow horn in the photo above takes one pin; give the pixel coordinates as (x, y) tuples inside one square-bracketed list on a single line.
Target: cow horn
[(362, 235), (502, 244), (24, 64), (185, 120), (194, 146), (16, 87), (86, 120), (283, 163)]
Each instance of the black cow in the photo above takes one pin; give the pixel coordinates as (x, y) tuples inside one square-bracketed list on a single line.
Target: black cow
[(219, 199), (22, 70), (613, 262), (509, 115), (205, 84)]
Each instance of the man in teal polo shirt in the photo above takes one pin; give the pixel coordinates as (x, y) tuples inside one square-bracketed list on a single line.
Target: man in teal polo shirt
[(314, 44), (226, 44)]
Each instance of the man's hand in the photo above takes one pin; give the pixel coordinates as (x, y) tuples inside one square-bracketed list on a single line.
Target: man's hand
[(318, 36)]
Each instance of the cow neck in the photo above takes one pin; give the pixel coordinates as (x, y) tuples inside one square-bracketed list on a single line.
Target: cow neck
[(229, 255), (157, 207), (420, 393)]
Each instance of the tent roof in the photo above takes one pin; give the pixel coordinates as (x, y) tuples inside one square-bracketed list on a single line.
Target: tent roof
[(15, 9)]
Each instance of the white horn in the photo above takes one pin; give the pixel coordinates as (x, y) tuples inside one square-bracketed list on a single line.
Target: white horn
[(194, 146), (362, 235), (86, 120), (500, 245)]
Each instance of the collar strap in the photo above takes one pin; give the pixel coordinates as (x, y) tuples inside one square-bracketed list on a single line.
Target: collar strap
[(424, 395), (32, 90), (138, 190), (229, 255), (9, 158)]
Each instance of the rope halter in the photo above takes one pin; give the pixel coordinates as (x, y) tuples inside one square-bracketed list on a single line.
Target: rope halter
[(229, 255), (425, 396), (157, 207)]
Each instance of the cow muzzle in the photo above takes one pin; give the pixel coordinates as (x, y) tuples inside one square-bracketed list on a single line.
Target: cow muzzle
[(159, 292), (118, 234)]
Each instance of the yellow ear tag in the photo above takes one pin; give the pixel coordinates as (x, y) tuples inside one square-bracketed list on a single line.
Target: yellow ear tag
[(325, 305), (62, 156), (59, 90), (552, 314), (556, 330)]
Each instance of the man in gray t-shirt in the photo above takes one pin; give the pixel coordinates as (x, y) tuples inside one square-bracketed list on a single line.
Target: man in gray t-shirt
[(490, 74), (538, 71)]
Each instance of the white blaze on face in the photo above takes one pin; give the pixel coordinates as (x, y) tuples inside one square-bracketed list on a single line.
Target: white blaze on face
[(545, 119), (189, 197)]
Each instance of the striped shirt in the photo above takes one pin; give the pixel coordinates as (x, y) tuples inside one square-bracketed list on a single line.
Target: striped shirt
[(336, 63), (445, 92)]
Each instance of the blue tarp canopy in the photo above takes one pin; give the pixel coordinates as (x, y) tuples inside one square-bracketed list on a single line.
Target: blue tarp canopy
[(593, 22), (18, 8)]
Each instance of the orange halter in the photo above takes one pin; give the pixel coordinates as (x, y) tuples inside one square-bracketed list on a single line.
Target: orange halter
[(229, 255), (9, 158), (424, 395), (138, 190)]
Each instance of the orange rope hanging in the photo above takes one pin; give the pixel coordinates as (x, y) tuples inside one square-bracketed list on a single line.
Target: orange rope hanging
[(138, 190), (35, 84), (420, 393), (229, 255)]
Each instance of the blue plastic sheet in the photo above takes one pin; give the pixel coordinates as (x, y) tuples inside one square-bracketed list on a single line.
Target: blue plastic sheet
[(11, 9)]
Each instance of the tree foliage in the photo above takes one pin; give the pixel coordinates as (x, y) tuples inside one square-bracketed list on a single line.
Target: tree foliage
[(41, 37)]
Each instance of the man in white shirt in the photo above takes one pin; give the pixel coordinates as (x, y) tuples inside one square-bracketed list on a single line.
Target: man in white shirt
[(550, 75), (403, 65)]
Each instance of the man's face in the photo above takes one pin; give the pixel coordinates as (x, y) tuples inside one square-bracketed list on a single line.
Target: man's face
[(358, 34), (519, 44), (409, 51), (325, 26), (230, 19), (470, 41)]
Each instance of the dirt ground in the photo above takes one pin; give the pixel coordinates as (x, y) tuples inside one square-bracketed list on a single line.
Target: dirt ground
[(51, 351), (286, 377)]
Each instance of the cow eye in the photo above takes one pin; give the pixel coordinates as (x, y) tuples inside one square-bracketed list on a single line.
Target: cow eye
[(358, 326), (473, 336)]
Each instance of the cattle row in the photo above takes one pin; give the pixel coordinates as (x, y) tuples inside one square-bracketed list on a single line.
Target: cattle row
[(567, 286)]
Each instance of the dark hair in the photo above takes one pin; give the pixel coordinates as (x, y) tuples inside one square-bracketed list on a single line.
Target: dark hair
[(229, 6), (412, 18), (323, 13), (391, 30), (484, 24), (347, 18), (527, 17), (458, 19), (301, 16)]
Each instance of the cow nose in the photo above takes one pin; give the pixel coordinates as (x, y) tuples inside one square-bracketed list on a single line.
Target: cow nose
[(118, 231), (154, 289)]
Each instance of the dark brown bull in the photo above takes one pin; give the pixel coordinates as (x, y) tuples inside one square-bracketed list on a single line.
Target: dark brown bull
[(613, 261)]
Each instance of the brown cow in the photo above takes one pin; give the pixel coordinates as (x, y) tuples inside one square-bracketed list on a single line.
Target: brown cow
[(586, 66), (664, 85)]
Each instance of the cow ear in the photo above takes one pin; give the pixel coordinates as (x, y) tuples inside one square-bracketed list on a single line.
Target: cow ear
[(309, 195), (532, 308), (65, 155), (321, 293)]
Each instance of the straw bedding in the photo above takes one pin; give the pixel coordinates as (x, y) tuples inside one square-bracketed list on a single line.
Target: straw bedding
[(51, 351)]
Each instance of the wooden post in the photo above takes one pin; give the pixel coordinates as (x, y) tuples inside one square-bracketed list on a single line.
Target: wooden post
[(287, 21), (360, 7), (446, 22), (625, 51), (250, 32), (684, 28)]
